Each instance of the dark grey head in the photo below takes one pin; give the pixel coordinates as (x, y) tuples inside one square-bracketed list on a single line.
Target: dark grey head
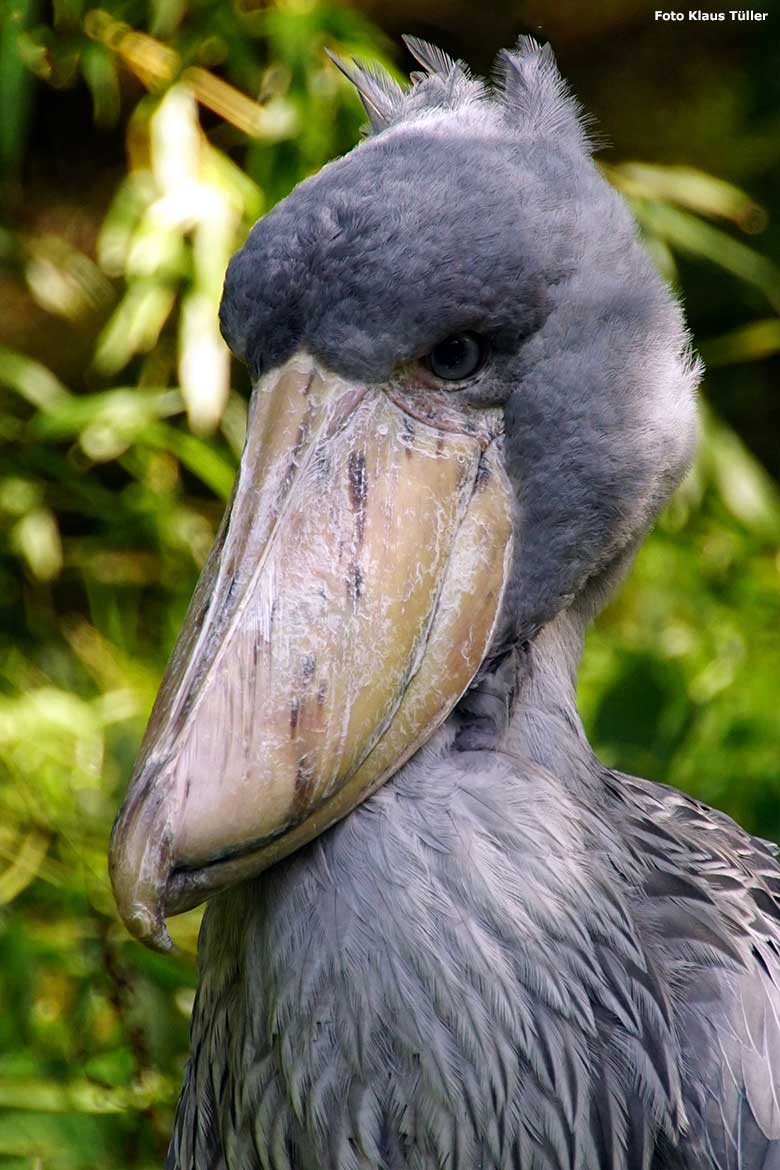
[(480, 209), (473, 393)]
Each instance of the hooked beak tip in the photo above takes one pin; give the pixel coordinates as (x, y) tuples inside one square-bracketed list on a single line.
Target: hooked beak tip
[(139, 868), (148, 925)]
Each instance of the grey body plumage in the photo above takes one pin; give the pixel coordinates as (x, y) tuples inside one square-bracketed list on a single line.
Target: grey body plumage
[(508, 957), (505, 959)]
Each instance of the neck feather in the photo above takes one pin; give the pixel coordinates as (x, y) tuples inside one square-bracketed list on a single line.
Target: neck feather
[(525, 704)]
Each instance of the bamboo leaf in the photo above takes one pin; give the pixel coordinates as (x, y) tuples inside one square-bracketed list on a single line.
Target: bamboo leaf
[(28, 858), (753, 342), (686, 232), (690, 188), (197, 456), (30, 379)]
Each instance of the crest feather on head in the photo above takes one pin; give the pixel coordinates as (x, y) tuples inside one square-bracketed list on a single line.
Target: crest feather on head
[(381, 95), (532, 87), (527, 90)]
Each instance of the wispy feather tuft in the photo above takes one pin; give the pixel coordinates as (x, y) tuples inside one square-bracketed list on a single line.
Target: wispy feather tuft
[(534, 91), (528, 92), (381, 95), (433, 59)]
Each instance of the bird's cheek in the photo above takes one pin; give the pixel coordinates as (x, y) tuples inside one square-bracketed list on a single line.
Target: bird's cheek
[(347, 605)]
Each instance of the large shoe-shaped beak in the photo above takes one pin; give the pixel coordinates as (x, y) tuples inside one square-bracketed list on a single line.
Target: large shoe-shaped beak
[(346, 606)]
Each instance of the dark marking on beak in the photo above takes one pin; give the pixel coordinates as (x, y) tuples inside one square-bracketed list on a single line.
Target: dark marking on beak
[(483, 474), (295, 707), (358, 490), (354, 583), (301, 435), (304, 779), (408, 435), (300, 438), (322, 464), (308, 666), (186, 707), (322, 691), (271, 618)]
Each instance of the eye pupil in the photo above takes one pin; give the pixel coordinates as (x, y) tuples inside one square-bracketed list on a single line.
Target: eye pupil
[(457, 357)]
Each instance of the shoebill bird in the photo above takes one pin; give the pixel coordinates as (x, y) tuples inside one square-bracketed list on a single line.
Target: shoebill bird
[(441, 935)]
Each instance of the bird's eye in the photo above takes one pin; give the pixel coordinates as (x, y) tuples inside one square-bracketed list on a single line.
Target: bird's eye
[(457, 357)]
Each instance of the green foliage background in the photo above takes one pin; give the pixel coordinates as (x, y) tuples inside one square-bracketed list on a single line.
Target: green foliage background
[(138, 144)]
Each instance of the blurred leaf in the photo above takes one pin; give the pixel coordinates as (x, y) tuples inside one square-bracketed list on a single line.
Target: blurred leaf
[(124, 409), (157, 66), (117, 231), (760, 339), (16, 83), (100, 74), (204, 362), (64, 280), (36, 537), (135, 324), (52, 1143), (689, 234), (25, 866), (30, 378), (690, 188), (202, 460), (745, 488), (83, 1096)]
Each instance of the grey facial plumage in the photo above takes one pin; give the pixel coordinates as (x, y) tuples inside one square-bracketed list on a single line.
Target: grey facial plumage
[(507, 957)]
